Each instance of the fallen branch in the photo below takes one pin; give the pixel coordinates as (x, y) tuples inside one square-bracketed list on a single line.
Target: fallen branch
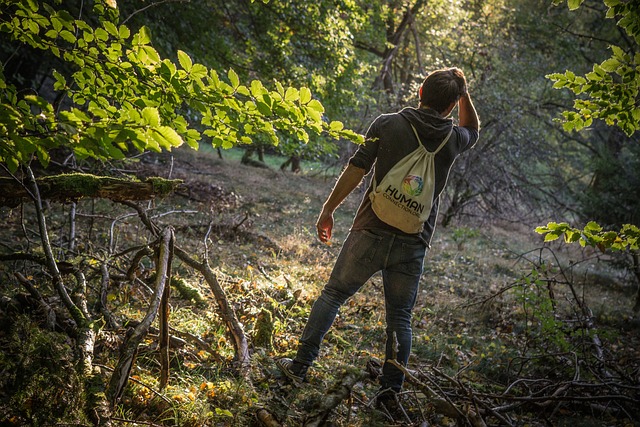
[(335, 395), (136, 335), (48, 312), (226, 312), (266, 418), (78, 185), (440, 405)]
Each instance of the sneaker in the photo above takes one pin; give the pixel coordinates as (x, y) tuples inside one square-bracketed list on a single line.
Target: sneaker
[(293, 370)]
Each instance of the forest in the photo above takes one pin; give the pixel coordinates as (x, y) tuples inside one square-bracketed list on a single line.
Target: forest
[(163, 164)]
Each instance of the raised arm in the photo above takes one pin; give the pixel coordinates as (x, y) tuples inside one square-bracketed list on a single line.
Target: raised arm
[(467, 114), (347, 182)]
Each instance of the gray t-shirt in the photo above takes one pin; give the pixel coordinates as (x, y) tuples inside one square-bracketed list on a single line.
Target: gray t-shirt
[(390, 138)]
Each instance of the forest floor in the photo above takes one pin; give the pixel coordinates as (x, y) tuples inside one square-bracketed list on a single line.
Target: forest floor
[(486, 328)]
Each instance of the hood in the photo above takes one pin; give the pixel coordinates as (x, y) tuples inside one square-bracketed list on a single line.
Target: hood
[(431, 126)]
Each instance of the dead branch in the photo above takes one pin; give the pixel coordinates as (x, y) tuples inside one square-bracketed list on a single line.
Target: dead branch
[(163, 321), (135, 336), (225, 310), (110, 319), (77, 185), (48, 312), (441, 405), (266, 418), (335, 395)]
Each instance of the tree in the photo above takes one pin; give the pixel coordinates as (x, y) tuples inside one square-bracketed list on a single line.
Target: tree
[(135, 99), (608, 93), (122, 97), (611, 89)]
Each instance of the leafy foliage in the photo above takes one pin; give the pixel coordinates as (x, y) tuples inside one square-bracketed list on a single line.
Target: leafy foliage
[(593, 235), (610, 91), (124, 95)]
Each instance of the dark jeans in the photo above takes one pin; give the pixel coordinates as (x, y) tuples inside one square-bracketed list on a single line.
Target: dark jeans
[(364, 253)]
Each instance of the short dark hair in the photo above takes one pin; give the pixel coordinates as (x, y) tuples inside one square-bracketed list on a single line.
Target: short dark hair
[(443, 87)]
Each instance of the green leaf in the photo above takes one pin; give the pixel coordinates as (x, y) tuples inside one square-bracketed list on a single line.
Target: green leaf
[(336, 126), (316, 105), (151, 116), (124, 32), (242, 90), (111, 28), (185, 61), (593, 226), (263, 108), (224, 412), (142, 37), (292, 94), (233, 78), (305, 95), (60, 83), (542, 229), (257, 89), (198, 71), (574, 4), (549, 237), (170, 135), (33, 5), (67, 36), (610, 65), (150, 54)]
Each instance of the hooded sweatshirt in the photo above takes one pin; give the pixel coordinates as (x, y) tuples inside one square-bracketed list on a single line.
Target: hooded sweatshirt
[(390, 138)]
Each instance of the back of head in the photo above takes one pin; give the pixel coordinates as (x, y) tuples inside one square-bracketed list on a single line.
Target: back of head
[(443, 87)]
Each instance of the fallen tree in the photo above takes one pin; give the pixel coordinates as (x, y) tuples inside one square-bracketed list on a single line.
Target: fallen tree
[(74, 186)]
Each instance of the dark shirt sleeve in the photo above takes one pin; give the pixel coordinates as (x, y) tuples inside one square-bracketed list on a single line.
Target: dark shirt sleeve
[(365, 156), (467, 138)]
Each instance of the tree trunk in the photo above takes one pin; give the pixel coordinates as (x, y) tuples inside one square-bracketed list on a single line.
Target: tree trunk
[(75, 186)]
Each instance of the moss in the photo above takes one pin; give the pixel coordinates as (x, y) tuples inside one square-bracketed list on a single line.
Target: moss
[(72, 183), (46, 387), (264, 329), (163, 187), (187, 292)]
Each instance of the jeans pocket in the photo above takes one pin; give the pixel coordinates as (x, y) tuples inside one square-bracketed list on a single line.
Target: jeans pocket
[(365, 245), (413, 256)]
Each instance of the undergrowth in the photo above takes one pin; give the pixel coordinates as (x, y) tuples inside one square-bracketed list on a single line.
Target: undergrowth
[(490, 316)]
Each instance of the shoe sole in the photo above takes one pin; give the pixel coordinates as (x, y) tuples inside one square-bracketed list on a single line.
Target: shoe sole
[(293, 377)]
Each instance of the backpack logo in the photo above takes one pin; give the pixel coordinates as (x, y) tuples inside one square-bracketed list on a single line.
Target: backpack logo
[(412, 185)]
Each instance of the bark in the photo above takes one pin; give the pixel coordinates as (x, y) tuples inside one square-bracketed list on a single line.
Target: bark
[(441, 406), (227, 313), (75, 186), (636, 271), (163, 321), (136, 335), (266, 418), (335, 395), (394, 38)]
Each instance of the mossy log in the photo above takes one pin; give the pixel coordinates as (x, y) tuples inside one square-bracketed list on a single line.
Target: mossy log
[(79, 185)]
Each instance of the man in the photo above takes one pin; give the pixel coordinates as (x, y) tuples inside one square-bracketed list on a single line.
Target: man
[(372, 245)]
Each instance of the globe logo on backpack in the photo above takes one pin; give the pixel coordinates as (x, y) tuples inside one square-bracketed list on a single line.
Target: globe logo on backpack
[(412, 185)]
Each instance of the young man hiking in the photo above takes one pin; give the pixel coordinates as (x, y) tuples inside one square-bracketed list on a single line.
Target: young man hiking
[(373, 245)]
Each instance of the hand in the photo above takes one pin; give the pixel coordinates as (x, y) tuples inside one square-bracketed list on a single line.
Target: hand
[(324, 225)]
